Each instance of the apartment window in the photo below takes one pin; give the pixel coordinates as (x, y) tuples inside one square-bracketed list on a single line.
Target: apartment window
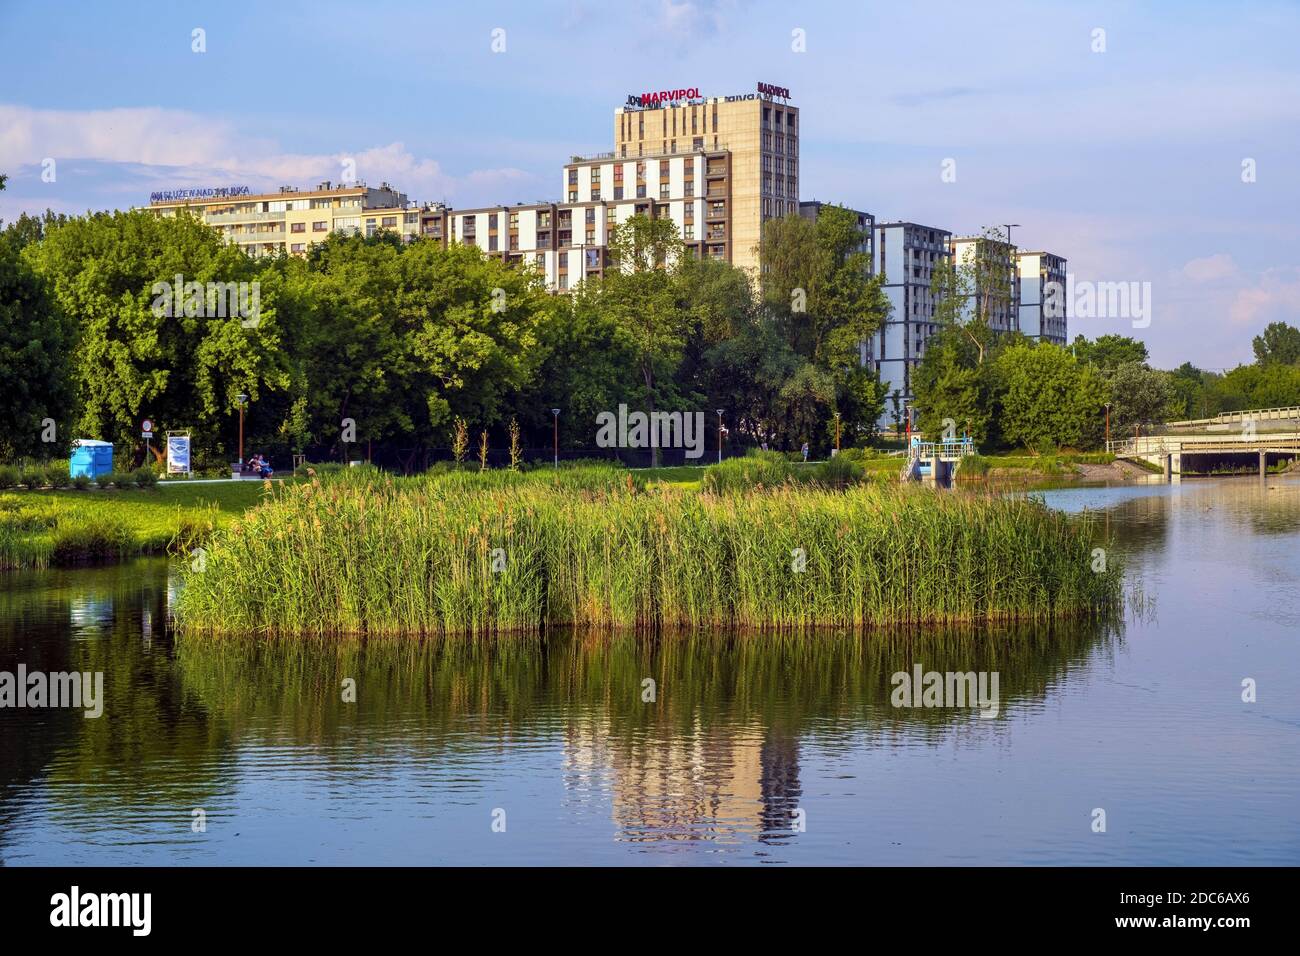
[(674, 146), (370, 227), (566, 237), (514, 220), (591, 237), (543, 239), (689, 187), (717, 208), (590, 214), (492, 221), (389, 222), (697, 143), (573, 177), (298, 227), (595, 193), (611, 216), (296, 247), (563, 280), (544, 220), (618, 192), (573, 195), (663, 190), (688, 231), (541, 261), (595, 174), (640, 170), (320, 204), (514, 243), (618, 173), (640, 191), (411, 218), (564, 260)]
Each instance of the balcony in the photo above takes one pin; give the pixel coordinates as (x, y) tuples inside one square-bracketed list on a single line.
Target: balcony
[(222, 218)]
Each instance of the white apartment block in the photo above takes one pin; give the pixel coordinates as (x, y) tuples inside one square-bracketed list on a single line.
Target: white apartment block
[(1039, 319), (996, 280), (905, 255)]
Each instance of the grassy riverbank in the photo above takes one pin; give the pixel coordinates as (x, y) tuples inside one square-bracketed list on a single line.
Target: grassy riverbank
[(471, 554), (40, 529)]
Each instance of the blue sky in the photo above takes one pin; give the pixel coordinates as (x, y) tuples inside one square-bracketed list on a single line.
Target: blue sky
[(1128, 162)]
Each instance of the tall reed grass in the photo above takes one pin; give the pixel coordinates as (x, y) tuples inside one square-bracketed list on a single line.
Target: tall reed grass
[(469, 554)]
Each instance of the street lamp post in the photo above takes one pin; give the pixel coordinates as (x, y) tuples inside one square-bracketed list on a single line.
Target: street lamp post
[(837, 433), (242, 400), (555, 415), (719, 436), (1108, 426)]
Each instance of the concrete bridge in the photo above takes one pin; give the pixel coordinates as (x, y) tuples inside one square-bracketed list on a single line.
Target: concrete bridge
[(1169, 451), (1263, 419)]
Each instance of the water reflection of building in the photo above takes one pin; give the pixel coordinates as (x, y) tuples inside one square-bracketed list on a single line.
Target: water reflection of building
[(668, 784)]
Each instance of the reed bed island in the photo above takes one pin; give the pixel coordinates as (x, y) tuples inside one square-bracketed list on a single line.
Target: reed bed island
[(497, 552)]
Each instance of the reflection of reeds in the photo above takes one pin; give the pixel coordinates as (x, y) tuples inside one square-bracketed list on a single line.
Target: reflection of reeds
[(467, 555)]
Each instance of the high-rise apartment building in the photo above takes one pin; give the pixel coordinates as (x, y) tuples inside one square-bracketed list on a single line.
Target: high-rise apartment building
[(905, 256), (749, 141), (1042, 309), (993, 280)]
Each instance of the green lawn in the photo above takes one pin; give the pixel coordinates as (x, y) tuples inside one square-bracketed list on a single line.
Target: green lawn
[(39, 528)]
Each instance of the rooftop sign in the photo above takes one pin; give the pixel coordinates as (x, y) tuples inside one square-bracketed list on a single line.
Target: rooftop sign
[(682, 97), (206, 192)]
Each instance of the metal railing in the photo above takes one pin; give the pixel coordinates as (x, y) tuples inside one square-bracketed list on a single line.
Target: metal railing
[(943, 450), (1282, 412)]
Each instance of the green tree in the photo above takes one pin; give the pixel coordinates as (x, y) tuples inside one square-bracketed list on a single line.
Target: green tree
[(37, 340), (139, 351), (1109, 352), (1048, 398), (1280, 343), (1140, 395)]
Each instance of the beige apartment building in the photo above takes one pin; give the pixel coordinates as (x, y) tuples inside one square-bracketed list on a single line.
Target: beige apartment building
[(292, 220), (747, 146)]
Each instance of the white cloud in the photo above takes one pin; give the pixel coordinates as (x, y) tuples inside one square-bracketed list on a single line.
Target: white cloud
[(157, 147), (1211, 268), (1275, 298)]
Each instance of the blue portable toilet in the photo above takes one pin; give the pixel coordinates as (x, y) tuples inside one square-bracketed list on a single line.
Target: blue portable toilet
[(91, 458)]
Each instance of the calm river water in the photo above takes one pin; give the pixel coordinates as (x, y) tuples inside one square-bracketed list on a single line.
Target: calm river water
[(754, 750)]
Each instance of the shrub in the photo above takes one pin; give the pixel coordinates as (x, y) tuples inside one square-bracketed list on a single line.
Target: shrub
[(89, 538), (123, 479), (144, 477), (105, 480), (838, 472), (32, 478), (8, 477), (766, 468), (81, 482), (56, 475)]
